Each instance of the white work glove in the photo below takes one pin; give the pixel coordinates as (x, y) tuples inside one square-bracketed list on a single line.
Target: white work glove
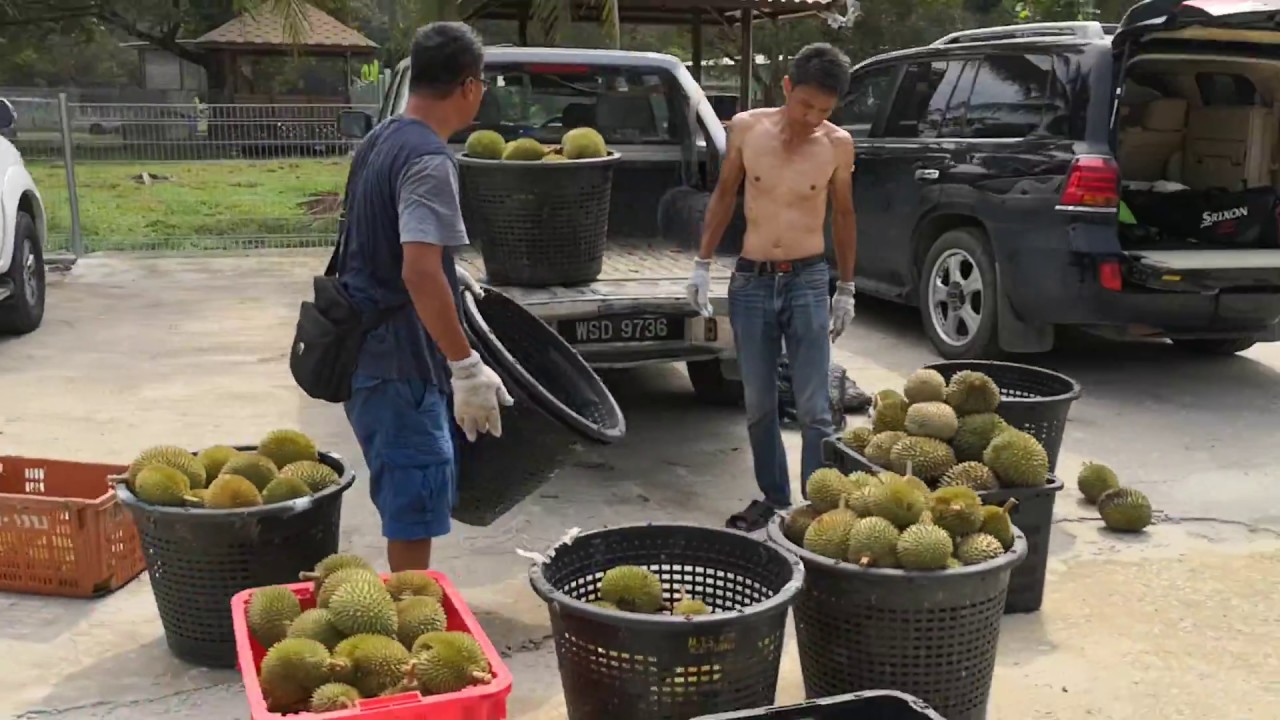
[(699, 287), (478, 393), (841, 309), (466, 282)]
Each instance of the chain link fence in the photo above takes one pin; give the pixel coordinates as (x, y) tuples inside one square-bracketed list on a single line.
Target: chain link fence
[(184, 177)]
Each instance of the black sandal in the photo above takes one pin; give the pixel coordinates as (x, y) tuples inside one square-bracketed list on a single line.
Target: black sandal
[(755, 517)]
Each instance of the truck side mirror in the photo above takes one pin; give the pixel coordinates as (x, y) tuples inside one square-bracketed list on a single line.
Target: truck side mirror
[(6, 115), (354, 124)]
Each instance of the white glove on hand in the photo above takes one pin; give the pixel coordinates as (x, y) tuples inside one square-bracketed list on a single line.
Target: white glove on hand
[(477, 394), (841, 309), (699, 287), (466, 282)]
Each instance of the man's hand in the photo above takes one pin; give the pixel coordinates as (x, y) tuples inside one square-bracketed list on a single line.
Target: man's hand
[(466, 282), (478, 395), (841, 309), (699, 287)]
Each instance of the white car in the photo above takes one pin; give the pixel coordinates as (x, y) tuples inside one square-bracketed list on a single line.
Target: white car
[(22, 238)]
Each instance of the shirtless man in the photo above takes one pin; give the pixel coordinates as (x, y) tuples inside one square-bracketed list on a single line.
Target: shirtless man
[(792, 160)]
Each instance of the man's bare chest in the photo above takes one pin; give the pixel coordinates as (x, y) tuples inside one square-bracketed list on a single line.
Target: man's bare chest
[(791, 173)]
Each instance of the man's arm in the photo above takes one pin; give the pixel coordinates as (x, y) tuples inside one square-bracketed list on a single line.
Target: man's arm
[(844, 222), (725, 195), (430, 221)]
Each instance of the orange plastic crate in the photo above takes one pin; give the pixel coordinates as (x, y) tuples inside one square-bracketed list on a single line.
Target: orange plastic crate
[(62, 530)]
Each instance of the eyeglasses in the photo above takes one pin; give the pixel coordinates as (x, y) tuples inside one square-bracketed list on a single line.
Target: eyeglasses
[(483, 81)]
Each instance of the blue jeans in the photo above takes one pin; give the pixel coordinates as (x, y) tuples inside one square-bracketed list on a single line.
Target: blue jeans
[(765, 311)]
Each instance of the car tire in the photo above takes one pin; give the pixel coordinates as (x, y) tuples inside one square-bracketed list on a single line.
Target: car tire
[(1215, 346), (23, 311), (711, 386), (969, 296)]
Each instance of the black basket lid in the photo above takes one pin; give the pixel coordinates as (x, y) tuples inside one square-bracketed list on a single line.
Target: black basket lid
[(549, 371)]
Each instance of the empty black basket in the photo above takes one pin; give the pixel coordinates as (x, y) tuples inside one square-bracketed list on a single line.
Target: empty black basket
[(538, 223), (559, 402), (872, 705), (930, 634), (625, 666), (198, 559), (1032, 399)]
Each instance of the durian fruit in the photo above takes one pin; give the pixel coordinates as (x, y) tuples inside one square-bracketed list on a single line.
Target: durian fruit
[(958, 510), (228, 492), (316, 475), (412, 583), (213, 458), (929, 458), (828, 536), (1017, 459), (284, 489), (973, 475), (170, 456), (953, 563), (931, 419), (632, 588), (284, 447), (316, 624), (1125, 510), (873, 542), (257, 469), (161, 485), (898, 502), (797, 522), (485, 145), (582, 143), (857, 437), (372, 664), (925, 385), (196, 498), (924, 547), (332, 564), (334, 696), (888, 411), (418, 615), (271, 611), (445, 662), (977, 548), (971, 392), (336, 579), (604, 604), (974, 433), (880, 448), (292, 670), (996, 522), (363, 606), (859, 501), (915, 482), (689, 605), (523, 149), (825, 488), (1095, 479), (554, 157)]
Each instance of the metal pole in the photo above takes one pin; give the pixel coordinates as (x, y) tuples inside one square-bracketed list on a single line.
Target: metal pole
[(69, 160)]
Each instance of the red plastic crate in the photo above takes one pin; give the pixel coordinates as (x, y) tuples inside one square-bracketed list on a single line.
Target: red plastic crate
[(479, 702)]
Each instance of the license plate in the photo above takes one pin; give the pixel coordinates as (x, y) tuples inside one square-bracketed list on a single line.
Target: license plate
[(636, 328)]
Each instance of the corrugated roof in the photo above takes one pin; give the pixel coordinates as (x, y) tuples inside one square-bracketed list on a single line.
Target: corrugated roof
[(665, 12), (265, 28)]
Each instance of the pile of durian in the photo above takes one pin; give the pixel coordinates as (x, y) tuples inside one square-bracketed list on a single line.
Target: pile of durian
[(286, 466), (363, 639), (950, 434), (634, 589), (1122, 509), (896, 521)]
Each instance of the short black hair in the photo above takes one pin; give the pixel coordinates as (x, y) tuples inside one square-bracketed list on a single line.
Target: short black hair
[(443, 56), (822, 66)]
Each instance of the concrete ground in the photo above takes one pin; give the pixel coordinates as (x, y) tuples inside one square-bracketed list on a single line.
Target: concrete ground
[(1176, 623)]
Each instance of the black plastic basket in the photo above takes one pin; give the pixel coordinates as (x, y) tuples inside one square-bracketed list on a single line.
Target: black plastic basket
[(1033, 515), (538, 223), (624, 666), (559, 401), (930, 634), (1032, 399), (871, 705), (198, 559)]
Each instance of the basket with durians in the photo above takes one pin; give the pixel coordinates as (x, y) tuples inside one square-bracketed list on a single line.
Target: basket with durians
[(582, 143)]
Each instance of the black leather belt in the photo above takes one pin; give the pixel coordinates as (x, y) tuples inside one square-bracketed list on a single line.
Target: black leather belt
[(774, 267)]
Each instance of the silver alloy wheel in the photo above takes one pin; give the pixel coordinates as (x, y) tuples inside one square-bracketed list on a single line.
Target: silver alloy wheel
[(29, 274), (955, 297)]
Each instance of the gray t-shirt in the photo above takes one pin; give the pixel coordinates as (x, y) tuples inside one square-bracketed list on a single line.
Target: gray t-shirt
[(428, 203)]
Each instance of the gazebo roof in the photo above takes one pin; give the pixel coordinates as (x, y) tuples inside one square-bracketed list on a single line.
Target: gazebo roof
[(265, 30), (661, 12)]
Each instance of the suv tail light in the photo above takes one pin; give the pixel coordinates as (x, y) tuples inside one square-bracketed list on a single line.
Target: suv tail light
[(1092, 182)]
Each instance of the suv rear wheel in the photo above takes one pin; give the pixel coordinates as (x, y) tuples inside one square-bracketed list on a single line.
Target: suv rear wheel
[(957, 296), (23, 311), (1215, 346)]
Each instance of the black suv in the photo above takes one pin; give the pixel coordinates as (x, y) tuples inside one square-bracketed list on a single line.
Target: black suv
[(1121, 179)]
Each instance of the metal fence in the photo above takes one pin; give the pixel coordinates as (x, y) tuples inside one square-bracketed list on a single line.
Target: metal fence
[(183, 177)]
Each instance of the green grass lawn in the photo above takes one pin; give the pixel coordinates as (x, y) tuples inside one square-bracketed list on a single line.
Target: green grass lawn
[(211, 199)]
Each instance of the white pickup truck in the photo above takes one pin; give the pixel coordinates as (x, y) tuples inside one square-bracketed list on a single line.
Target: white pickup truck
[(22, 239), (670, 141)]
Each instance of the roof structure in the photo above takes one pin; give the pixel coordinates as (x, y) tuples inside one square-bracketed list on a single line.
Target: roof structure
[(662, 12), (265, 30)]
